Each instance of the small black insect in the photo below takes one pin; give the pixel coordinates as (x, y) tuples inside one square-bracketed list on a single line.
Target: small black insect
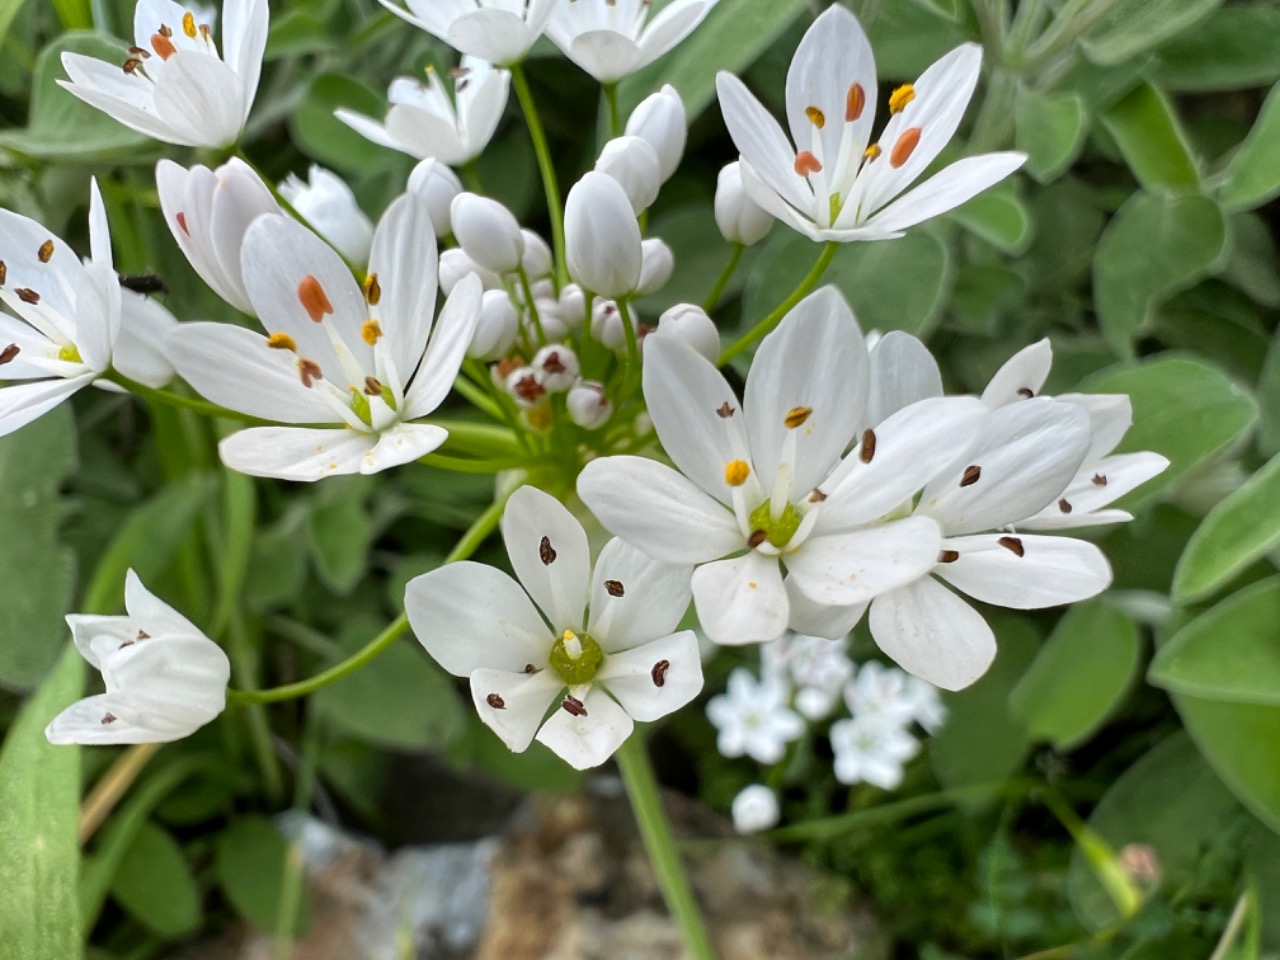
[(146, 284)]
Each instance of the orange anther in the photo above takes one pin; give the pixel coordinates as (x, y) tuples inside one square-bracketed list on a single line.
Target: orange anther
[(807, 163), (855, 103), (163, 46), (905, 146), (313, 298)]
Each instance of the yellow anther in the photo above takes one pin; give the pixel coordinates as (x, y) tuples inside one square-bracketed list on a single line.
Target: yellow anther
[(871, 152), (45, 253), (569, 635), (816, 117), (282, 341), (899, 99), (69, 354), (796, 417), (371, 332), (736, 472), (372, 290), (189, 24)]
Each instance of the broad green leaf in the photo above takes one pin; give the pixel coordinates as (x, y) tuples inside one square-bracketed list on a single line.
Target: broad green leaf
[(1229, 652), (1252, 267), (1232, 48), (1169, 800), (36, 570), (1156, 245), (298, 32), (907, 37), (1253, 175), (984, 293), (1138, 25), (1149, 136), (1184, 409), (39, 807), (702, 253), (1079, 677), (998, 217), (341, 532), (250, 864), (8, 10), (1238, 531), (1269, 399), (154, 883), (1061, 254), (1050, 128), (325, 138)]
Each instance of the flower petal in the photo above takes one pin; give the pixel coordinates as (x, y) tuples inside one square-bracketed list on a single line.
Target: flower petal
[(1099, 484), (498, 36), (1021, 376), (20, 403), (946, 190), (635, 598), (296, 453), (762, 143), (453, 334), (513, 705), (818, 619), (673, 23), (550, 556), (902, 372), (931, 633), (588, 740), (201, 98), (606, 55), (403, 259), (741, 600), (655, 679), (244, 42), (843, 569), (402, 443), (139, 351), (86, 721), (1030, 573)]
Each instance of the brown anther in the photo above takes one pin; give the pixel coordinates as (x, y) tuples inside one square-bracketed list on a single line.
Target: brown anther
[(529, 668), (905, 146), (130, 65), (27, 295), (4, 273), (659, 673), (971, 476), (140, 53), (807, 163), (371, 332), (553, 363), (108, 718), (45, 253), (282, 341), (854, 103), (189, 24), (162, 45), (816, 117), (573, 706), (313, 298), (867, 450), (529, 389), (1099, 480), (757, 537), (546, 552), (724, 411), (166, 31), (459, 72), (495, 701), (817, 496), (899, 99), (182, 222), (206, 33), (1064, 505), (372, 387), (872, 152), (8, 353), (796, 417), (372, 290), (462, 85), (309, 371), (614, 588), (143, 635), (1026, 392), (949, 556), (1013, 545)]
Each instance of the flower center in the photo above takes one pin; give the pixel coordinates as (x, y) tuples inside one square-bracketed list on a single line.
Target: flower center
[(576, 657), (70, 354), (778, 532)]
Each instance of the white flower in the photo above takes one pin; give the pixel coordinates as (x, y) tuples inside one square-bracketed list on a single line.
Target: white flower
[(753, 718), (537, 262), (488, 233), (661, 121), (610, 39), (66, 315), (437, 185), (588, 405), (602, 238), (557, 367), (871, 749), (500, 31), (634, 163), (611, 640), (424, 122), (881, 692), (835, 184), (740, 219), (758, 487), (456, 266), (927, 707), (657, 264), (209, 212), (164, 678), (690, 324), (572, 305), (356, 368), (818, 668), (497, 328), (607, 326), (755, 808), (174, 85), (326, 202)]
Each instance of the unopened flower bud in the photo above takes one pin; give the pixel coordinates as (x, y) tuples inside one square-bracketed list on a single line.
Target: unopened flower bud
[(326, 202), (740, 219), (437, 185), (488, 232), (526, 387), (607, 326), (573, 305), (455, 264), (557, 367), (554, 327), (543, 290), (754, 809), (498, 327), (634, 164), (602, 238), (537, 257), (690, 324), (588, 406), (660, 121), (657, 265)]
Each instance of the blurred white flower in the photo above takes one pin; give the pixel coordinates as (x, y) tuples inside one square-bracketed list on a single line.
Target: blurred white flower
[(926, 705), (557, 367), (657, 265), (327, 204), (611, 39), (660, 120), (755, 808), (871, 749), (881, 692), (753, 718), (818, 669), (500, 31)]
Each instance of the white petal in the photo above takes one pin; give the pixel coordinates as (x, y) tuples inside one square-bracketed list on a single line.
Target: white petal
[(99, 231), (401, 444), (843, 569), (946, 190), (741, 600), (201, 98), (1021, 376), (817, 619), (369, 128), (632, 676), (85, 721), (1087, 497), (97, 316), (902, 372), (648, 598), (148, 610), (85, 628), (244, 41), (773, 204), (296, 453), (20, 403), (133, 113), (606, 55), (591, 739), (761, 142), (523, 698), (1110, 416), (494, 35), (453, 334), (675, 22), (931, 633), (602, 238), (139, 350), (550, 556), (1050, 571), (239, 198)]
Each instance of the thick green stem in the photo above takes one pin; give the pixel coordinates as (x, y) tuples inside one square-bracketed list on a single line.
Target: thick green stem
[(655, 830), (773, 319), (722, 282), (539, 136)]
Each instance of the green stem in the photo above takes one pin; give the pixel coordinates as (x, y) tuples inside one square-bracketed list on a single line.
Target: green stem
[(202, 407), (722, 283), (773, 319), (463, 465), (539, 136), (243, 669), (646, 804), (532, 307), (611, 99)]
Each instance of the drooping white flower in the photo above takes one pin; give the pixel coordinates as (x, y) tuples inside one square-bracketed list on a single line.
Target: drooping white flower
[(164, 678), (834, 183), (752, 718), (424, 122), (612, 39), (499, 31), (354, 370), (609, 657), (326, 202), (817, 668), (437, 185), (209, 212), (65, 315), (871, 749), (175, 86), (755, 808), (689, 323), (764, 486), (634, 163), (740, 219), (602, 238), (660, 120)]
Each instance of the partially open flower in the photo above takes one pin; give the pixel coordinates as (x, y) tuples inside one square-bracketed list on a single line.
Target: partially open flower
[(326, 202), (437, 185), (740, 219), (498, 327), (500, 31), (657, 266), (689, 323), (610, 39)]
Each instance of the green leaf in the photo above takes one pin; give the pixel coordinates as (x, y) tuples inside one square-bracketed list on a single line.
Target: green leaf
[(39, 807), (38, 573), (1252, 267), (731, 38), (1233, 48), (296, 33), (154, 883), (1156, 245), (250, 864), (1238, 531), (1149, 136), (1079, 677), (1138, 25), (1269, 399), (1184, 409), (341, 532), (8, 10), (907, 37), (325, 138), (999, 217), (1228, 653), (1050, 129), (1253, 175)]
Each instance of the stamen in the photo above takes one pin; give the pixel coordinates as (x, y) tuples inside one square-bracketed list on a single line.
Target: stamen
[(817, 496), (1064, 505), (949, 556), (108, 718), (971, 476), (807, 163), (724, 411), (736, 472), (282, 341), (4, 273), (165, 31), (373, 387), (206, 33), (572, 646), (1099, 480), (816, 117), (130, 65), (162, 45), (855, 102), (573, 706), (797, 416), (905, 146), (371, 332), (45, 253), (529, 389), (8, 353), (372, 290), (546, 553), (757, 537), (1026, 392), (189, 24), (614, 588), (143, 635), (899, 99), (495, 701), (529, 668), (659, 673), (140, 53), (872, 152), (309, 371), (313, 298), (1013, 545), (27, 295), (182, 222), (868, 449)]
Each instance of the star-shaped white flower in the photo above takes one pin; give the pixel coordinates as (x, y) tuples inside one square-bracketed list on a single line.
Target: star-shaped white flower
[(175, 86), (355, 369), (880, 691), (830, 181), (752, 718), (164, 678), (594, 647), (500, 31), (817, 667), (612, 39), (872, 750)]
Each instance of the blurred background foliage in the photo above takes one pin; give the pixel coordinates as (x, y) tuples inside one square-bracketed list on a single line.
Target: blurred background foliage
[(1112, 784)]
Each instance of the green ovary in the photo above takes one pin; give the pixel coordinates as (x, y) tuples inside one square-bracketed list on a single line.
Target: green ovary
[(576, 657), (778, 532), (69, 354)]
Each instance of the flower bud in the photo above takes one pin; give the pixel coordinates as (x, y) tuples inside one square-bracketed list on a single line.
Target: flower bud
[(455, 264), (553, 326), (573, 305), (498, 327), (660, 121), (557, 367), (690, 325), (588, 407), (657, 265), (602, 238), (330, 208), (526, 387), (634, 164), (740, 219), (607, 326), (537, 257), (754, 809), (488, 232), (437, 185)]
